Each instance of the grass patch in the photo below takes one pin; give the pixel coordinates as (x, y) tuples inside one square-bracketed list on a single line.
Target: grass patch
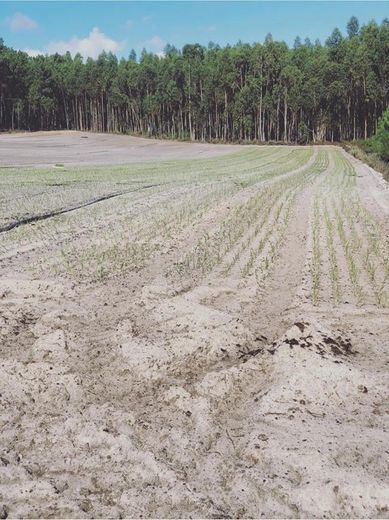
[(362, 151)]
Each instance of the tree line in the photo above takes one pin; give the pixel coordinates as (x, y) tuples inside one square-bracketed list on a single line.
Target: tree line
[(264, 92)]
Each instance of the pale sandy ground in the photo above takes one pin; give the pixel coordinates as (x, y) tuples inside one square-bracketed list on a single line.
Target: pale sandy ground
[(76, 148), (144, 398)]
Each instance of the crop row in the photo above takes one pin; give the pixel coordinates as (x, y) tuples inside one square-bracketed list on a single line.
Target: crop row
[(245, 223), (353, 239), (30, 192)]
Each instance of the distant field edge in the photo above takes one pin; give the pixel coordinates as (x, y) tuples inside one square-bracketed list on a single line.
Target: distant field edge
[(162, 137), (356, 149)]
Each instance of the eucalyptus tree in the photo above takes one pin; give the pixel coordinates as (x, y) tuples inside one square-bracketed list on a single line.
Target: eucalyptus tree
[(261, 92)]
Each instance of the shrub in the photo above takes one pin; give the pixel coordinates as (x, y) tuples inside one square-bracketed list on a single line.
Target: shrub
[(380, 142)]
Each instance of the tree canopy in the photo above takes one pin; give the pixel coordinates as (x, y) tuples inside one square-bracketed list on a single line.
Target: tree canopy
[(310, 92)]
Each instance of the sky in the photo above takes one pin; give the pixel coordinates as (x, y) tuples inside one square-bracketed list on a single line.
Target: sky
[(90, 27)]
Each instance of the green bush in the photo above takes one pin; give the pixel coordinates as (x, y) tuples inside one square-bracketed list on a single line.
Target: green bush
[(380, 142)]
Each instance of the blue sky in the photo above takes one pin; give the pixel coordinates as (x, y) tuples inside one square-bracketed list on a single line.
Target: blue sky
[(90, 27)]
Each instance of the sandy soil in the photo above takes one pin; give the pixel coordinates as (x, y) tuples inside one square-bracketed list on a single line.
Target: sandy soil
[(203, 394), (75, 148)]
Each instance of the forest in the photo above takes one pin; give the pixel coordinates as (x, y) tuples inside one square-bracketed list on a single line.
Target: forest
[(310, 92)]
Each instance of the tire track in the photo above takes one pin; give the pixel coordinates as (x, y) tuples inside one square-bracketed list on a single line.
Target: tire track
[(50, 214)]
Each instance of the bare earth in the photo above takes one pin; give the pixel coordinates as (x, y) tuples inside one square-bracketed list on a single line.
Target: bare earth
[(208, 339), (75, 148)]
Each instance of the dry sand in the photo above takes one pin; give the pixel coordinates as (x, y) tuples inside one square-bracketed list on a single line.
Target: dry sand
[(142, 397), (77, 148)]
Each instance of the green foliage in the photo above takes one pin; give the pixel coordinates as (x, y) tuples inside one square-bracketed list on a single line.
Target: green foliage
[(380, 142)]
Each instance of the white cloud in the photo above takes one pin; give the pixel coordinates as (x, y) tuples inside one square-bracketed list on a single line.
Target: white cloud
[(207, 28), (155, 44), (21, 22), (91, 46), (33, 52)]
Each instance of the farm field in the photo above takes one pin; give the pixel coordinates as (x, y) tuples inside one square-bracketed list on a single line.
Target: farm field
[(78, 148), (197, 333)]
